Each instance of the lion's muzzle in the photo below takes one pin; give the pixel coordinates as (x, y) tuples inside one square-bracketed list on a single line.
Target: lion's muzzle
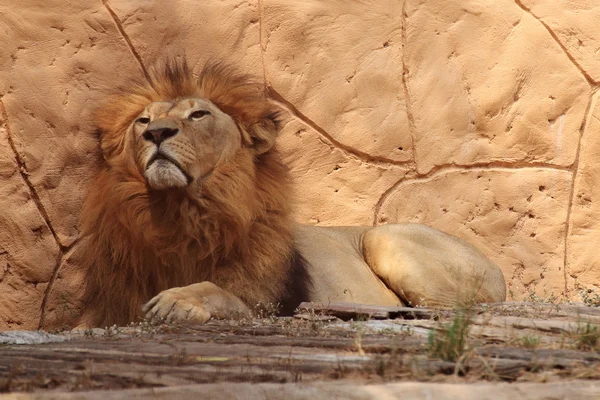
[(162, 170)]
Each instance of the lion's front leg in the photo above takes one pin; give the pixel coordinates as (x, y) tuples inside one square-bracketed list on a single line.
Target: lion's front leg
[(195, 303)]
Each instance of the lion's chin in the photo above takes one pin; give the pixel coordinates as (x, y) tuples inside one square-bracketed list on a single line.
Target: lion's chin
[(162, 175)]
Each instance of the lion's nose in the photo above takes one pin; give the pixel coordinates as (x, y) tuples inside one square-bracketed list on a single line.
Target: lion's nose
[(160, 130), (157, 136)]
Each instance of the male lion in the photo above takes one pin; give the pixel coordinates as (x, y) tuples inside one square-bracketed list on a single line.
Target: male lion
[(189, 217)]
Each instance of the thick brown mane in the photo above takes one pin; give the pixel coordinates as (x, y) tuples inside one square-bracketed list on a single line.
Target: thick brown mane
[(236, 233)]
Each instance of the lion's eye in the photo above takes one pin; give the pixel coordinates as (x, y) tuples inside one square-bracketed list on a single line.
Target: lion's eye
[(199, 114), (142, 120)]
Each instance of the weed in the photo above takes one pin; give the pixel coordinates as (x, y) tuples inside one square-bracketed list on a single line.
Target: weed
[(588, 296), (389, 331), (449, 343), (316, 323), (530, 342), (545, 299), (266, 311), (360, 330), (111, 331), (587, 336)]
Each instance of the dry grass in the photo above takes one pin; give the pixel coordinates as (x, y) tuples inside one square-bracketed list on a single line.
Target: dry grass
[(587, 336)]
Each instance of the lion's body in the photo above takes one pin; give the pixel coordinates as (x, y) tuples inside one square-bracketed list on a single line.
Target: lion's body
[(192, 206), (398, 264)]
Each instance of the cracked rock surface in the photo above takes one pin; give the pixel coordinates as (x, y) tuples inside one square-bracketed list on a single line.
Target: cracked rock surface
[(478, 118)]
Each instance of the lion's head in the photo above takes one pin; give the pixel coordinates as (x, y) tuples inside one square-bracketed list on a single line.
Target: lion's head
[(178, 129)]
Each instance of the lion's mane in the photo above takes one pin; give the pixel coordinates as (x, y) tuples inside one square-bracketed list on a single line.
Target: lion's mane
[(237, 234)]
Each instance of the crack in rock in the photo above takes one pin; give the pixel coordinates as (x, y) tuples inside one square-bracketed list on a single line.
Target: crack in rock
[(125, 37), (361, 156), (21, 166), (6, 270), (59, 261), (443, 169), (411, 120), (590, 80), (588, 112), (297, 114)]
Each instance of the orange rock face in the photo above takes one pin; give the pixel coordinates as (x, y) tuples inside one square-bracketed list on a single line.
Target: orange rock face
[(478, 118)]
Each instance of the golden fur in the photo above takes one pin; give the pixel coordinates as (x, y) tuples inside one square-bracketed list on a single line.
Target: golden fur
[(234, 232)]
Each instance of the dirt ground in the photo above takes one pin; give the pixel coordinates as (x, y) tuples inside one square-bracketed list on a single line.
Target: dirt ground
[(324, 346)]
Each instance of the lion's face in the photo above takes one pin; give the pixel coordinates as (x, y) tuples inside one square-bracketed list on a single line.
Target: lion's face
[(177, 143)]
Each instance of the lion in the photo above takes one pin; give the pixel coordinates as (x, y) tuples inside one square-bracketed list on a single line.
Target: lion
[(189, 217)]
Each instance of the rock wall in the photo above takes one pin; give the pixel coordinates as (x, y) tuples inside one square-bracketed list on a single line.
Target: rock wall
[(479, 118)]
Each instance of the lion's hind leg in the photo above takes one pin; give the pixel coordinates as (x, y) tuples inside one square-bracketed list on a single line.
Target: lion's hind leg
[(426, 267)]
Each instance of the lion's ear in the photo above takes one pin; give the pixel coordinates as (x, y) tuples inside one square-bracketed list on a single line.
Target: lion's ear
[(261, 135)]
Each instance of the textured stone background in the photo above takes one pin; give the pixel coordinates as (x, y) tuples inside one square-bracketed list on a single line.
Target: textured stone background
[(479, 118)]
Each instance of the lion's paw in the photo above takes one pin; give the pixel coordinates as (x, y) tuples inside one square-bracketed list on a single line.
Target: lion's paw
[(176, 305)]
